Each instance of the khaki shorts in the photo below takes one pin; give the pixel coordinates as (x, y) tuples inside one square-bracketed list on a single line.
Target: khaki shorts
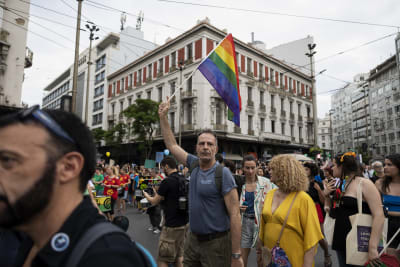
[(170, 246)]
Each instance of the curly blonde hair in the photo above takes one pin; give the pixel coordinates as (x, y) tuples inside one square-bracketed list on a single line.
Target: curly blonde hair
[(290, 175)]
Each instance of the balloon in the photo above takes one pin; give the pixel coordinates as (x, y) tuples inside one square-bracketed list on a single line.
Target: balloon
[(166, 152), (108, 154)]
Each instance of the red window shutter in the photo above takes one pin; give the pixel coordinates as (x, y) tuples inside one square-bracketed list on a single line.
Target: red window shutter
[(126, 83), (109, 90), (118, 86), (210, 45), (166, 69), (286, 85), (155, 69), (242, 64), (181, 55), (266, 74), (255, 68), (198, 47), (302, 89), (294, 86), (135, 79), (276, 78), (144, 74)]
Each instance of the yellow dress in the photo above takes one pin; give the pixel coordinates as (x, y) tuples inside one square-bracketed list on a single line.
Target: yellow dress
[(302, 230)]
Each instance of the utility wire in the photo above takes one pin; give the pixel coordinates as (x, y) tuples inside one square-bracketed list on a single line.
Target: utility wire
[(49, 9), (281, 14)]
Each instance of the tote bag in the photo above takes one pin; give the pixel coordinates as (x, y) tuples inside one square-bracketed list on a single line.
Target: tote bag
[(329, 227), (357, 239)]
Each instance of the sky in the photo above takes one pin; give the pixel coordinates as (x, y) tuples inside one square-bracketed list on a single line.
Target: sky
[(344, 49)]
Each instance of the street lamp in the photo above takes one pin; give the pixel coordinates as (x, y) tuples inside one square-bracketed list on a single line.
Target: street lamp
[(180, 107), (311, 54), (92, 28)]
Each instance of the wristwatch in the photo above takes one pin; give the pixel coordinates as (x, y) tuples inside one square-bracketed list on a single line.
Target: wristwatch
[(236, 255)]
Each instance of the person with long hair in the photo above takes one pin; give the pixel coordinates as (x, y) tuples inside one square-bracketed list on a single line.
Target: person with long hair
[(389, 187), (251, 201), (343, 203), (302, 231), (315, 191), (111, 184)]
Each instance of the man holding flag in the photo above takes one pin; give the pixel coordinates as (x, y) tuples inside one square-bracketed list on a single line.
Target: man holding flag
[(214, 216)]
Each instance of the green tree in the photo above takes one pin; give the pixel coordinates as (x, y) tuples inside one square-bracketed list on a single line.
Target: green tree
[(314, 151), (98, 134), (115, 135), (145, 119)]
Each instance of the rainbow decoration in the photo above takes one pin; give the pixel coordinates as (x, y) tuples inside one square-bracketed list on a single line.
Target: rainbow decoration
[(220, 69)]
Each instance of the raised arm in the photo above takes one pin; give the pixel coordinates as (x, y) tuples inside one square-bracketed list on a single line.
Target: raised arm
[(168, 135)]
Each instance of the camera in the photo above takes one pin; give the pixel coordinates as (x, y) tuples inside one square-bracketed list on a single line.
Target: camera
[(149, 191)]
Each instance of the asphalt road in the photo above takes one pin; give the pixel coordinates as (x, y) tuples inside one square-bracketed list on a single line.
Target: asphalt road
[(139, 223)]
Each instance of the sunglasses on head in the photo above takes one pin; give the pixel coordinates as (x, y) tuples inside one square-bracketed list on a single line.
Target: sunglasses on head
[(43, 118)]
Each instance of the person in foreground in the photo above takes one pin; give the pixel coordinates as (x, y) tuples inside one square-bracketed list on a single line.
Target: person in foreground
[(46, 161), (214, 216), (302, 232), (346, 167)]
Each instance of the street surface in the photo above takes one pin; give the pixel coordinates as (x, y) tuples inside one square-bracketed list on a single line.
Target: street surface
[(139, 223)]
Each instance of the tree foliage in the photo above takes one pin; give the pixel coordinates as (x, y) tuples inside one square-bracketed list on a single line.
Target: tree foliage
[(144, 113), (115, 135), (98, 134)]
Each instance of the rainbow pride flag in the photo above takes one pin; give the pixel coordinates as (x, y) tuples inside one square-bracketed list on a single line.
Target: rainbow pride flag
[(220, 69)]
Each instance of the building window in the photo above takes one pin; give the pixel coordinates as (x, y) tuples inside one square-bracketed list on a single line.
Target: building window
[(139, 96), (101, 62), (250, 123), (130, 80), (112, 108), (99, 77), (150, 71), (299, 108), (140, 76), (173, 59), (300, 132), (97, 119), (291, 130), (189, 49), (271, 76), (122, 84), (148, 94), (129, 101), (161, 64), (262, 125), (283, 128), (121, 104), (249, 94), (98, 91), (172, 89), (291, 107), (282, 104), (272, 126), (189, 84), (290, 83), (113, 88), (261, 98), (260, 71), (189, 113), (323, 145), (248, 65), (323, 138), (272, 101), (308, 112), (218, 113), (160, 94)]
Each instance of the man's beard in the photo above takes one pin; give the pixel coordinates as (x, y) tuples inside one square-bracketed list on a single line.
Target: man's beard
[(32, 202)]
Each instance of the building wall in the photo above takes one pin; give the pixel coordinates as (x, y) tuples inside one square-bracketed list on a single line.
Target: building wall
[(325, 133), (205, 101), (13, 35)]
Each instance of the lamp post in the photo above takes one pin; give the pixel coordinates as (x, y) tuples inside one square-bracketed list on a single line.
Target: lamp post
[(76, 59), (311, 54), (92, 28), (331, 111)]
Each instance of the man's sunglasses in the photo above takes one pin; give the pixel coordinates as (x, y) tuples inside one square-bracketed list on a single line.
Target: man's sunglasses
[(45, 119)]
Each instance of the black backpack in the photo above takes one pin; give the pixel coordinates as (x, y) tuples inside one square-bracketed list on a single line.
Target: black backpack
[(239, 179), (183, 191), (94, 233)]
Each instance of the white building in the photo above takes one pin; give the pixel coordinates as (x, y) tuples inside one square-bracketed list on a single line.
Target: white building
[(108, 55), (276, 111), (325, 133), (15, 56)]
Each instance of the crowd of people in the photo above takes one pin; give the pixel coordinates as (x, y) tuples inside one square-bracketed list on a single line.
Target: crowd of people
[(206, 211)]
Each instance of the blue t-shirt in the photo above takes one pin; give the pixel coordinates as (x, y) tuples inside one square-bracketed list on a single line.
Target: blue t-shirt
[(207, 212), (249, 196)]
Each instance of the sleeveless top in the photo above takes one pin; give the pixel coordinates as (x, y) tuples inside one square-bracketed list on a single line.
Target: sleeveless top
[(347, 207)]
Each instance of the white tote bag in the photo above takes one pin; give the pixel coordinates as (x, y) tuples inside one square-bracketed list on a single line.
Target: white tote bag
[(357, 239), (329, 227)]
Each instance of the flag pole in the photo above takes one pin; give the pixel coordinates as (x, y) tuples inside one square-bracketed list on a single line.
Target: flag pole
[(191, 74)]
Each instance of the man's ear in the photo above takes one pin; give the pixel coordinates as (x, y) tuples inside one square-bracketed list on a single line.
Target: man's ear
[(70, 166)]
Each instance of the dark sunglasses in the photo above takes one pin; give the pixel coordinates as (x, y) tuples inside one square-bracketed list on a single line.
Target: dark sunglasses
[(42, 117)]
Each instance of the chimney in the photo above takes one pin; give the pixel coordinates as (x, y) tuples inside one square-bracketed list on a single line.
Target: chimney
[(252, 37)]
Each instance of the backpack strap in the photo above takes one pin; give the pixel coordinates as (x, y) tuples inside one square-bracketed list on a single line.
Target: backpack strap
[(218, 177), (193, 166), (284, 223), (89, 237)]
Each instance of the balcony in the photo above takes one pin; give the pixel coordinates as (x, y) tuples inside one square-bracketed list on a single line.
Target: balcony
[(273, 110), (250, 74), (300, 118), (187, 94), (310, 120), (292, 116), (250, 103), (220, 127), (250, 132), (173, 68), (293, 139), (276, 137), (28, 58), (237, 130), (160, 73), (283, 113), (189, 61), (262, 107), (187, 127), (301, 140), (111, 117)]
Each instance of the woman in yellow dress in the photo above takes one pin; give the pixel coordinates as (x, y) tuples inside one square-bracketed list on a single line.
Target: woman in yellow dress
[(302, 231)]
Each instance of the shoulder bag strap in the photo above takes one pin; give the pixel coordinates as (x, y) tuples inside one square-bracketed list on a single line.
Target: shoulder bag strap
[(359, 196), (284, 223), (388, 243), (89, 237)]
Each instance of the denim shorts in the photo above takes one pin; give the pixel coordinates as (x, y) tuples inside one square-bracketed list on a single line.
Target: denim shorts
[(248, 228)]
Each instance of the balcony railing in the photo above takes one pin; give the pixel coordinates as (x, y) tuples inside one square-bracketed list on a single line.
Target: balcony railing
[(262, 107), (300, 118), (292, 116), (273, 110), (220, 127), (237, 130), (283, 113), (250, 132), (111, 117), (250, 103), (188, 127)]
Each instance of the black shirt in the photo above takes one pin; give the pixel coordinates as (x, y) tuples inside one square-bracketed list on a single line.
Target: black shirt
[(314, 192), (112, 249), (169, 189)]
